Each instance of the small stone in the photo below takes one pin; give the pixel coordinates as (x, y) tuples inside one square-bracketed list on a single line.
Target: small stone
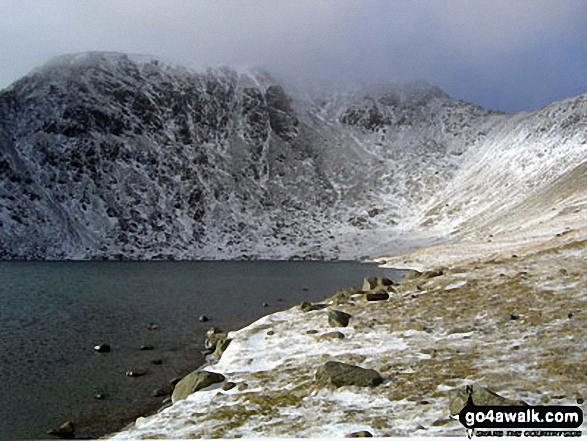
[(66, 430), (424, 402), (158, 361), (153, 327), (305, 288), (307, 307), (570, 315), (336, 335), (134, 373), (203, 318), (338, 318), (265, 305), (361, 434), (311, 331), (242, 386), (102, 348), (563, 271), (228, 385), (99, 396), (514, 316), (270, 332), (412, 274), (161, 392), (377, 296), (146, 348), (580, 400)]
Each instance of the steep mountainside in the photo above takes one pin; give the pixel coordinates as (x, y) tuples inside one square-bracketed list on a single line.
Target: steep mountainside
[(104, 155)]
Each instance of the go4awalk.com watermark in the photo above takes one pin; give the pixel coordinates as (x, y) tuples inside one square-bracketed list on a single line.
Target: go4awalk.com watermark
[(518, 421)]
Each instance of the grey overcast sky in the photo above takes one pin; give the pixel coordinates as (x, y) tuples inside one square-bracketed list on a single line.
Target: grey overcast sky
[(508, 55)]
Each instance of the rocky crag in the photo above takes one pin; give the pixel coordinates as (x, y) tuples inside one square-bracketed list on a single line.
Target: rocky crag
[(105, 155)]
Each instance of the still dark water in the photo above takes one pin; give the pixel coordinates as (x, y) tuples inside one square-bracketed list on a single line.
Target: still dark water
[(53, 313)]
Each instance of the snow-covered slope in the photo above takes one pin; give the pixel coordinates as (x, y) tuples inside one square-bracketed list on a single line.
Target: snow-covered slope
[(104, 155)]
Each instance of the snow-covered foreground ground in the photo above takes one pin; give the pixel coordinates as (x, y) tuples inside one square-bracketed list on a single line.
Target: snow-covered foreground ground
[(508, 314)]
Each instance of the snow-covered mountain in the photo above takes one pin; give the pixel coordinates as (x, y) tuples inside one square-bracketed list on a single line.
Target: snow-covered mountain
[(105, 155)]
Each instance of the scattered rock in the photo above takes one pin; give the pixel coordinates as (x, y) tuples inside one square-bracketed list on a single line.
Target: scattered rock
[(340, 374), (412, 274), (99, 396), (481, 397), (377, 296), (66, 430), (370, 283), (373, 212), (203, 318), (158, 361), (194, 382), (135, 373), (270, 332), (213, 336), (580, 400), (307, 307), (514, 316), (432, 273), (146, 348), (153, 327), (221, 347), (311, 331), (228, 385), (338, 318), (331, 336), (361, 434), (265, 304), (570, 315), (102, 348), (242, 386)]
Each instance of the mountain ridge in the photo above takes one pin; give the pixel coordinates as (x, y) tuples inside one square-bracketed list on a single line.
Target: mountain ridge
[(106, 157)]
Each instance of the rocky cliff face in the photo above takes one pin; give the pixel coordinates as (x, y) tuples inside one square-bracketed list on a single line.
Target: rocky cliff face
[(103, 155)]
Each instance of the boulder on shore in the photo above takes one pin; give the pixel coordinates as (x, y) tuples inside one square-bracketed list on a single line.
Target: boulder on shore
[(340, 374), (338, 318), (377, 296), (194, 382), (481, 397), (213, 336)]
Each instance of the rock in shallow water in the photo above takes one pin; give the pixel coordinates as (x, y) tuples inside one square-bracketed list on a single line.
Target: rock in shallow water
[(66, 431), (194, 382), (102, 348), (340, 374)]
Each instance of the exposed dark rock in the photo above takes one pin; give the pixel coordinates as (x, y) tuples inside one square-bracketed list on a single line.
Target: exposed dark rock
[(228, 385), (307, 307), (514, 316), (157, 361), (146, 348), (370, 283), (338, 318), (65, 431), (342, 374), (377, 296), (311, 331), (194, 382), (331, 336), (99, 396), (270, 332), (102, 348), (361, 434), (265, 304), (203, 318), (153, 327), (481, 397), (135, 373), (432, 273)]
